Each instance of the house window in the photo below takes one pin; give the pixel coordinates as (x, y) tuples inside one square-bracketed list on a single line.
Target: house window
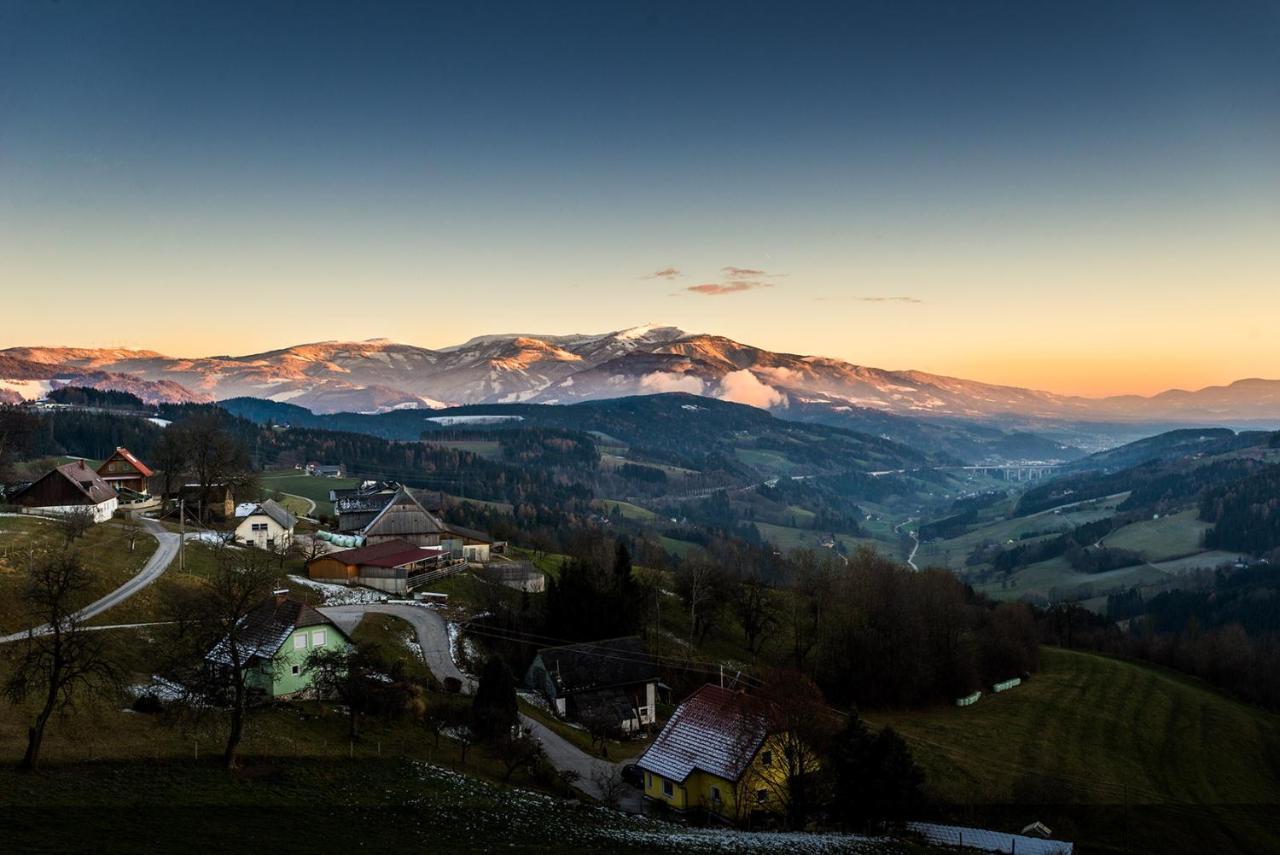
[(766, 759), (762, 796), (715, 794), (317, 638), (259, 526), (300, 641), (648, 780), (295, 670), (667, 789)]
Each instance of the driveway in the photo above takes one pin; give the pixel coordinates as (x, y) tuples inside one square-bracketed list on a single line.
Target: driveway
[(433, 634), (566, 756), (166, 551)]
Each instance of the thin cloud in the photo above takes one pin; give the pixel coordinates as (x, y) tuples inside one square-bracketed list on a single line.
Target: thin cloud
[(733, 286), (664, 273), (890, 300), (741, 272)]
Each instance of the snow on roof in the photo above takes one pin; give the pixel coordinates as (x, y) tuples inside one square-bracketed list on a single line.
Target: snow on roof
[(716, 731), (265, 629), (989, 841)]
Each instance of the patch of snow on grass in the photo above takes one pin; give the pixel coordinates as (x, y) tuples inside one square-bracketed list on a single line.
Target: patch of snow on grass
[(341, 595)]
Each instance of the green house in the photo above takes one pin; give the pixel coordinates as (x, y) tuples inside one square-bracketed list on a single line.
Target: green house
[(276, 637)]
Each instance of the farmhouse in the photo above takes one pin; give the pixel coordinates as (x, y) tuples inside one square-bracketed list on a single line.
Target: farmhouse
[(275, 638), (395, 566), (70, 488), (357, 508), (609, 684), (125, 472), (266, 526), (403, 517), (716, 755)]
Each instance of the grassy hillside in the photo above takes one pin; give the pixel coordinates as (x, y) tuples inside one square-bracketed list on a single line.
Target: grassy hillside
[(1163, 539), (1131, 757)]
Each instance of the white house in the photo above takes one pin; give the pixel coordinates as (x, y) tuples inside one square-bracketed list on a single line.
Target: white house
[(266, 526)]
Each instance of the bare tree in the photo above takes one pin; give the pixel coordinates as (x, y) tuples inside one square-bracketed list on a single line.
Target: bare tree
[(800, 727), (700, 584), (810, 583), (608, 780), (60, 660), (517, 749), (216, 458), (219, 654), (753, 605), (73, 524)]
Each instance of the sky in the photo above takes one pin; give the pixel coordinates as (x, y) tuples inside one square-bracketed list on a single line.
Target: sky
[(1082, 197)]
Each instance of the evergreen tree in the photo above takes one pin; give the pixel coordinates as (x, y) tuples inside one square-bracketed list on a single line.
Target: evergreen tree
[(494, 710)]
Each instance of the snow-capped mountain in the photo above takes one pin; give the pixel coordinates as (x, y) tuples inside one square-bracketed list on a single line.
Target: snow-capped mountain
[(379, 375)]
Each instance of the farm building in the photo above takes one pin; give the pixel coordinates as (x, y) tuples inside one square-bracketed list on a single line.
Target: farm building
[(276, 637), (403, 518), (394, 566), (716, 755), (325, 470), (218, 500), (266, 526), (125, 472), (70, 488), (474, 545), (357, 508), (611, 684)]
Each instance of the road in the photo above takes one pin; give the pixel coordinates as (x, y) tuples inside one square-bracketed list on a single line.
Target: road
[(433, 638), (432, 632), (166, 551), (911, 559)]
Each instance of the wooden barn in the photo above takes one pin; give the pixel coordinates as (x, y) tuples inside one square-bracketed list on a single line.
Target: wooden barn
[(70, 488), (395, 566)]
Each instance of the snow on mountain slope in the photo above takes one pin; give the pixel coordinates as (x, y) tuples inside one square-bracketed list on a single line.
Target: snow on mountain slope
[(377, 375)]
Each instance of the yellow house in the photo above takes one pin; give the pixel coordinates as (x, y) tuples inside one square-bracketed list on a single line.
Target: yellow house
[(716, 754)]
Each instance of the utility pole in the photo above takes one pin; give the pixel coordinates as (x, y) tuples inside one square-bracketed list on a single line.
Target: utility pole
[(182, 534)]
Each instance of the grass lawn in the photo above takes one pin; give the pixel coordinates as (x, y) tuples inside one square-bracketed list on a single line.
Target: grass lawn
[(1172, 536), (104, 550), (1184, 768)]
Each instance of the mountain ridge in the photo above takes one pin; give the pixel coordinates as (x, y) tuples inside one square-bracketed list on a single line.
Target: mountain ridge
[(377, 375)]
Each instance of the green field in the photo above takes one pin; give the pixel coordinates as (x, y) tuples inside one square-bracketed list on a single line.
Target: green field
[(1183, 768), (486, 448), (1172, 536), (629, 511), (315, 489), (953, 552), (787, 538)]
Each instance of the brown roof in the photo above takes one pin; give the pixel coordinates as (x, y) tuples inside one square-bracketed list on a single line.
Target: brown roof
[(129, 457), (87, 482)]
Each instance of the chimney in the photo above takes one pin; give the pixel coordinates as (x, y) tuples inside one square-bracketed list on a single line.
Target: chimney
[(281, 594), (82, 466)]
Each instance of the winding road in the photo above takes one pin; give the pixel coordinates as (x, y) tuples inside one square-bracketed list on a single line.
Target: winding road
[(433, 638), (166, 551)]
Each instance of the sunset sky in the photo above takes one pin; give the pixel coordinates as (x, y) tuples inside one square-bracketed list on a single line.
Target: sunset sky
[(1082, 197)]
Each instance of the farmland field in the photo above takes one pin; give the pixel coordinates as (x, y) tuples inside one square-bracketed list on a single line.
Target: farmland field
[(1172, 536), (308, 486), (1184, 768)]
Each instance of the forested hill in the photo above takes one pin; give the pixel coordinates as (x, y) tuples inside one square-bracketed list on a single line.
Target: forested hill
[(671, 428)]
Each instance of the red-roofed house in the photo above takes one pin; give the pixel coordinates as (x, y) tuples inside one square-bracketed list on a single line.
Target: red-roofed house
[(124, 471), (395, 566), (716, 754)]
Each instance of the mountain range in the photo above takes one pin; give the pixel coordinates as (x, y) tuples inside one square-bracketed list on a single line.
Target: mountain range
[(379, 375)]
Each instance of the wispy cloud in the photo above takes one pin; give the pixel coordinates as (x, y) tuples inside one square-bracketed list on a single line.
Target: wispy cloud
[(869, 299), (735, 281), (664, 273), (732, 286)]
